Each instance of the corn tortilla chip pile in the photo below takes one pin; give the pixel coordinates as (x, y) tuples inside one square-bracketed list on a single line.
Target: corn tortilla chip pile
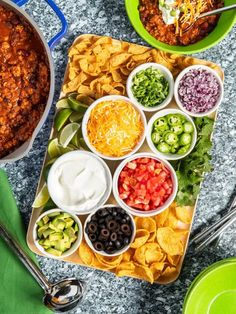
[(156, 250)]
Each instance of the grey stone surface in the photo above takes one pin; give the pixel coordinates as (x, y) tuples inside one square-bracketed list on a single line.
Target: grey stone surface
[(105, 293)]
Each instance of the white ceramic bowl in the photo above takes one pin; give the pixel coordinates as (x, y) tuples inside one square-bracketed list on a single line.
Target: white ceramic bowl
[(74, 246), (80, 210), (86, 118), (137, 212), (176, 87), (168, 77), (163, 113), (102, 252)]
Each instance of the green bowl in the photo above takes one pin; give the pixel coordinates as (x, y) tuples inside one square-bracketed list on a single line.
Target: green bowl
[(209, 292), (224, 25)]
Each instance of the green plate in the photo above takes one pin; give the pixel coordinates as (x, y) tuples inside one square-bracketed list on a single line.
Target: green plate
[(223, 26), (213, 290)]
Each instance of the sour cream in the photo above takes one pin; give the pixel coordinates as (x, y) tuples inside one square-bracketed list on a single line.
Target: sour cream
[(169, 11), (79, 181)]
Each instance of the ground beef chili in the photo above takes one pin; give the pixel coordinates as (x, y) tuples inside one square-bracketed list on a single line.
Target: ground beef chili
[(151, 18), (24, 81)]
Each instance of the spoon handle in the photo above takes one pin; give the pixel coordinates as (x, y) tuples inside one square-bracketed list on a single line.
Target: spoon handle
[(218, 11), (24, 258)]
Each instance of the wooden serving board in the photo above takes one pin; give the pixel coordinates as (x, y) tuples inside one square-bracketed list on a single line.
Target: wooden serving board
[(175, 63)]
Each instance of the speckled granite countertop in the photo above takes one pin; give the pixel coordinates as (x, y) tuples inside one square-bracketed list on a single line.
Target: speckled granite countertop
[(107, 294)]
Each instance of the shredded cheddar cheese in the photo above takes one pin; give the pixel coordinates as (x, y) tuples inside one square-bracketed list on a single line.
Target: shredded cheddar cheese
[(190, 10), (114, 128)]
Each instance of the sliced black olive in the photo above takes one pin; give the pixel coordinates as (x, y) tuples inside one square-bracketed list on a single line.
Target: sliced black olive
[(114, 213), (105, 233), (112, 225), (98, 246), (126, 229), (110, 250), (109, 243), (108, 218), (101, 221), (126, 241), (113, 236), (118, 244), (92, 227), (92, 237), (94, 218), (102, 212)]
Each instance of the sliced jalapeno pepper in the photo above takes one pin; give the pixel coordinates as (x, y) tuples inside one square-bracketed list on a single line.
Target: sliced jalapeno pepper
[(156, 137), (188, 127), (171, 138), (185, 139), (183, 150), (177, 129), (161, 124), (174, 119), (163, 147)]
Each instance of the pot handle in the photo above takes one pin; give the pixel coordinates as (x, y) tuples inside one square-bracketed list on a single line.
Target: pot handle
[(52, 42)]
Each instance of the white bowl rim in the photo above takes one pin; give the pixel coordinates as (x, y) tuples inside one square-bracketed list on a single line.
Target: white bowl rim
[(74, 246), (102, 252), (176, 85), (137, 212), (105, 195), (163, 113), (168, 75), (86, 118)]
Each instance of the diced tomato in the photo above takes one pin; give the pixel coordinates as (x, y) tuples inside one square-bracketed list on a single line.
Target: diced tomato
[(123, 195), (165, 185), (131, 165), (141, 192), (161, 192), (145, 184)]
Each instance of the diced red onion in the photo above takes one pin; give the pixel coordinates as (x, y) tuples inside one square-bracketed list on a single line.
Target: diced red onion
[(199, 91)]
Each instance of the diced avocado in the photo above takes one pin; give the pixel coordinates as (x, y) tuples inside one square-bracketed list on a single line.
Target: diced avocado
[(61, 246), (53, 227), (54, 252), (45, 219), (53, 214), (66, 237), (76, 228), (41, 230), (40, 223), (69, 222), (47, 232), (63, 216), (55, 236), (59, 223), (49, 243), (70, 232), (57, 232)]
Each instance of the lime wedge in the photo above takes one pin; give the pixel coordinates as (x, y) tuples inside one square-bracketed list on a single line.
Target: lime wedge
[(76, 137), (49, 205), (69, 148), (75, 141), (67, 133), (83, 144), (42, 198), (50, 162), (76, 117), (76, 105), (61, 118), (62, 103), (53, 148)]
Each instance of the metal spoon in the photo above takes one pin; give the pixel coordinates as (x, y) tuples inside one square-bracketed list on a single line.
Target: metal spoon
[(209, 13), (59, 297)]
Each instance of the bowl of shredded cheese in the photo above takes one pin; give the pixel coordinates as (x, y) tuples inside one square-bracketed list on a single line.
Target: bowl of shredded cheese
[(113, 127)]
